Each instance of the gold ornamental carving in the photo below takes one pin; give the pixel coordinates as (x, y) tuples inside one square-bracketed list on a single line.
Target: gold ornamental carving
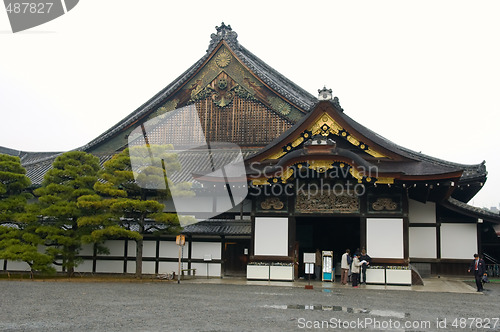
[(384, 204), (326, 125), (222, 91), (260, 182), (385, 180), (320, 166), (223, 59), (279, 105), (326, 203), (273, 203)]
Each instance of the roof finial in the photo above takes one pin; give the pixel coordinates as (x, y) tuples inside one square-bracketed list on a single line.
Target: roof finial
[(325, 94), (223, 28), (223, 32)]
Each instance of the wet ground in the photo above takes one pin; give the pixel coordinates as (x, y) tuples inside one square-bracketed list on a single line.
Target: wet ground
[(232, 306)]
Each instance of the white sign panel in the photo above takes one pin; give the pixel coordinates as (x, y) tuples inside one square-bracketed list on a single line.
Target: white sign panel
[(458, 241), (384, 237), (309, 257), (271, 236)]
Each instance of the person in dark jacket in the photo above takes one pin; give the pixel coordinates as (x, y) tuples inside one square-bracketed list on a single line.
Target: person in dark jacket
[(479, 268), (364, 257), (318, 263)]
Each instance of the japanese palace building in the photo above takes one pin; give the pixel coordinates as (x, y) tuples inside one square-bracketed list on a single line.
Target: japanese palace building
[(315, 177)]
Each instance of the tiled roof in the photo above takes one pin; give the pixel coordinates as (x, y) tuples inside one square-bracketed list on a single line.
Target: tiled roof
[(220, 227), (472, 211), (36, 170), (271, 77)]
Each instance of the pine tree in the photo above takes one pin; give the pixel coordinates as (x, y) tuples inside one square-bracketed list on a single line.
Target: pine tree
[(19, 240), (73, 175), (13, 185), (128, 204)]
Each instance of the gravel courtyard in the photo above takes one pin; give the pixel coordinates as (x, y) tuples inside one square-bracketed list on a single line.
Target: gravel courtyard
[(168, 306)]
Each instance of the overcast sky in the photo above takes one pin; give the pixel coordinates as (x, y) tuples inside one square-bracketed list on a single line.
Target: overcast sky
[(424, 74)]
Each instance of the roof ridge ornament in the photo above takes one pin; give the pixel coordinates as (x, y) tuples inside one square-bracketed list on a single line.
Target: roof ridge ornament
[(223, 32), (324, 94)]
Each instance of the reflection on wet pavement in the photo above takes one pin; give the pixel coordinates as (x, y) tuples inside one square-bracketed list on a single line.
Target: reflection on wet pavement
[(374, 312)]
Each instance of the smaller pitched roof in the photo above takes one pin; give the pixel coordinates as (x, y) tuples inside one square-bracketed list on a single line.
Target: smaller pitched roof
[(220, 227), (472, 211)]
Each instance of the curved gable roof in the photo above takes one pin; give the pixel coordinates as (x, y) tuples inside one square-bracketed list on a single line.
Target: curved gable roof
[(225, 35)]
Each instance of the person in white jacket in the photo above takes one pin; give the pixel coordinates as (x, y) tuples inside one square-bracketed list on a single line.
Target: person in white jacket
[(345, 263), (355, 267)]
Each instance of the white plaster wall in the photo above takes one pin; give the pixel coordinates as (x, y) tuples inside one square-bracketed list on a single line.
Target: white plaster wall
[(17, 266), (201, 269), (131, 248), (223, 204), (131, 267), (423, 242), (148, 267), (57, 267), (422, 213), (200, 249), (458, 241), (202, 204), (116, 247), (84, 267), (87, 250), (271, 236), (109, 266), (168, 249), (149, 249), (384, 237), (169, 267)]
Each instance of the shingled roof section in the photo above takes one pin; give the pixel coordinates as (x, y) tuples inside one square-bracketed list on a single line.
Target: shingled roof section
[(268, 75), (472, 211), (220, 227), (473, 171), (416, 164)]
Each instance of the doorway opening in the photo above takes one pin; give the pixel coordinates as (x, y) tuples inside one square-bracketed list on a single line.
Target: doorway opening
[(326, 233), (236, 257)]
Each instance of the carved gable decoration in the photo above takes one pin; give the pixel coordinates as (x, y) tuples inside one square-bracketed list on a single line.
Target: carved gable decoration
[(384, 204), (272, 204), (222, 91), (326, 126), (326, 202)]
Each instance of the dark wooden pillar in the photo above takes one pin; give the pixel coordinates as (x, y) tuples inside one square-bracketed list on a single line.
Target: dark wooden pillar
[(438, 240), (406, 239), (94, 258), (190, 249), (362, 233), (125, 255), (222, 256), (157, 256)]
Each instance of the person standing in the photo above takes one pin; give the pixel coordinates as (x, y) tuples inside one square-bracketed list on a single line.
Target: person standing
[(318, 265), (345, 262), (479, 268), (364, 257), (356, 265)]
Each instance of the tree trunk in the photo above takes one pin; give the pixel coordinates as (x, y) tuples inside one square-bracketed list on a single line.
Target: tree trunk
[(70, 261), (138, 251), (138, 259)]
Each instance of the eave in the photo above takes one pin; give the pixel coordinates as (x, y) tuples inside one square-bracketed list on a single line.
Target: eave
[(471, 211)]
